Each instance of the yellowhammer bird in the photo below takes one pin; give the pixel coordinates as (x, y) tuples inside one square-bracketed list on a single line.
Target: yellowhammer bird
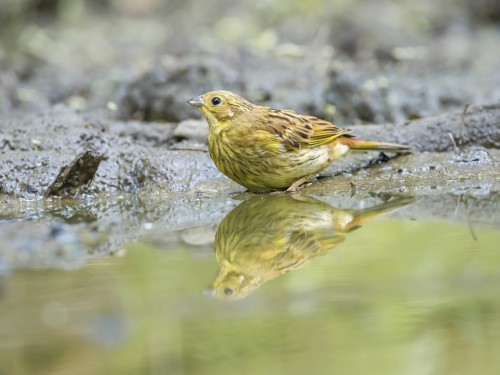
[(267, 149), (267, 236)]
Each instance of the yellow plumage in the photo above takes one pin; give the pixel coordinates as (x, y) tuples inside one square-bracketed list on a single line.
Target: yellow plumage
[(266, 236), (267, 149)]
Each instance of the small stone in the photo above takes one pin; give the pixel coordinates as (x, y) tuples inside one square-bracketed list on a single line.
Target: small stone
[(198, 236), (111, 106), (77, 102), (76, 174), (192, 129)]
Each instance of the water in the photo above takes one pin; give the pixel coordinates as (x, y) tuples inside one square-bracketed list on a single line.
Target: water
[(381, 290)]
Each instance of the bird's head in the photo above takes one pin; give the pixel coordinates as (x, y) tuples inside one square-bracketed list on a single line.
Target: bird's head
[(220, 107), (233, 285)]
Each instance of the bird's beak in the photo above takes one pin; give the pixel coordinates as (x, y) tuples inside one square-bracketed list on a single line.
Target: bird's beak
[(196, 102), (209, 292)]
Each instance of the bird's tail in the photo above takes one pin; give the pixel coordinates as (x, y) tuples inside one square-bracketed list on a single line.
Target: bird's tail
[(360, 145), (358, 217)]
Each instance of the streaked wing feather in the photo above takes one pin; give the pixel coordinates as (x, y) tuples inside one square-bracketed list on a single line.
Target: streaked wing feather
[(299, 131)]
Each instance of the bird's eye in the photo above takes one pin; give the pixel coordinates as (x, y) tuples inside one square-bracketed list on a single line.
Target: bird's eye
[(228, 291), (216, 101)]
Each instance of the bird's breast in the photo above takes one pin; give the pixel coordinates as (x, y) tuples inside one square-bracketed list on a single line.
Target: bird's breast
[(261, 162)]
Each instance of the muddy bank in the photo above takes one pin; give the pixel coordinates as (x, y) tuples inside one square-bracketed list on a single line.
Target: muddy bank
[(114, 86), (331, 88), (138, 155), (36, 147), (478, 125)]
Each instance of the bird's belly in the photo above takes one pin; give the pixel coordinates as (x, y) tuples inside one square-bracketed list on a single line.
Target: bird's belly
[(260, 169), (294, 165)]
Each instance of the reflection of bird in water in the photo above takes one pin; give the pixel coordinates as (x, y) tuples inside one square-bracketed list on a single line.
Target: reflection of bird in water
[(266, 236)]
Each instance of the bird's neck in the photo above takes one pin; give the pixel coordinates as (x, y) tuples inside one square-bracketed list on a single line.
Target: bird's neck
[(229, 125)]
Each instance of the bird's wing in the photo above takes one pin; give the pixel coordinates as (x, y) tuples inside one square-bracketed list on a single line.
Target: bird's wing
[(300, 131), (305, 245)]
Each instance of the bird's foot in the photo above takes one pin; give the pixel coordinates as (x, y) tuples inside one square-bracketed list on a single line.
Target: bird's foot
[(293, 187)]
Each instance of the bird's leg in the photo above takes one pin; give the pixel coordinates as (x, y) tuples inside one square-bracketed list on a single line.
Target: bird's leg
[(297, 184)]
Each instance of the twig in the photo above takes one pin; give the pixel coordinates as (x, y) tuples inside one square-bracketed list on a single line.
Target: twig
[(186, 149), (462, 121), (394, 173), (458, 205), (469, 223), (454, 143), (353, 189)]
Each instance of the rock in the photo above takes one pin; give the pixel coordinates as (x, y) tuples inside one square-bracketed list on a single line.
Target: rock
[(440, 133), (192, 129), (364, 95), (162, 92), (198, 236), (76, 174)]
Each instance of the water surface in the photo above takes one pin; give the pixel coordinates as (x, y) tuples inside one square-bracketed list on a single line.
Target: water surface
[(376, 292)]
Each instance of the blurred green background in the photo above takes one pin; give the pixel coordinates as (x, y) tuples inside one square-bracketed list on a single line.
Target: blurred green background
[(356, 28), (347, 60)]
